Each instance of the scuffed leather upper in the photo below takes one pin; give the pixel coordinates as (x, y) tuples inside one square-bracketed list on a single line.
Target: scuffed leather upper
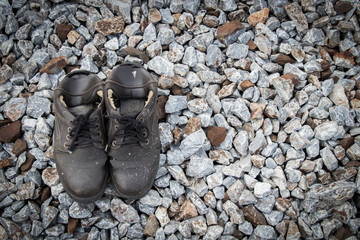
[(134, 167), (83, 171), (76, 92)]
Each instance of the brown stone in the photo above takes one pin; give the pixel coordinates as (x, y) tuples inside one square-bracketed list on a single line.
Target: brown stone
[(346, 142), (177, 134), (161, 106), (343, 212), (176, 16), (143, 24), (216, 135), (136, 53), (293, 231), (176, 90), (55, 65), (355, 103), (252, 46), (210, 21), (339, 152), (187, 211), (325, 65), (282, 204), (134, 40), (193, 125), (10, 59), (110, 26), (331, 51), (45, 194), (254, 216), (353, 163), (258, 17), (4, 122), (226, 90), (62, 31), (174, 209), (345, 56), (180, 81), (28, 163), (255, 106), (344, 26), (5, 73), (245, 85), (244, 64), (228, 29), (325, 178), (70, 68), (151, 226), (343, 233), (344, 173), (80, 43), (154, 15), (282, 227), (273, 137), (209, 199), (10, 132), (295, 13), (19, 147), (342, 7), (292, 77), (165, 82), (326, 74), (5, 163), (282, 59), (73, 36), (72, 225)]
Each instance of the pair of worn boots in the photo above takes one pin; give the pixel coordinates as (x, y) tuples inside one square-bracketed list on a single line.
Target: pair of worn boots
[(94, 122)]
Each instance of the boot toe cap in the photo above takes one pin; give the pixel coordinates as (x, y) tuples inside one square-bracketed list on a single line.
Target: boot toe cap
[(133, 183), (83, 185)]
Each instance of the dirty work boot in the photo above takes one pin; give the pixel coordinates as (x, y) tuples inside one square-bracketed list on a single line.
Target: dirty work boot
[(79, 137), (133, 136)]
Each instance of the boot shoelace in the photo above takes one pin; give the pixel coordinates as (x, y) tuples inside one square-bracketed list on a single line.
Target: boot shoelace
[(134, 131), (83, 128)]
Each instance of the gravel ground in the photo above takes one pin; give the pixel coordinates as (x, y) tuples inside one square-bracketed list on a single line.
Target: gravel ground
[(258, 113)]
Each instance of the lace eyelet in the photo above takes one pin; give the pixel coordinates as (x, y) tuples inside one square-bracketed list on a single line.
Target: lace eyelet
[(144, 134), (68, 137), (147, 142), (69, 129), (116, 127), (141, 120), (113, 143), (96, 118), (97, 126), (66, 146), (99, 134)]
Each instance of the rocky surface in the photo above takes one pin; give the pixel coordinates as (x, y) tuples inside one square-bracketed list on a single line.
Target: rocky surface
[(259, 117)]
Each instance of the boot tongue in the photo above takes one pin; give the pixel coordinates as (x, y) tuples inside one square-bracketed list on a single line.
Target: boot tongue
[(131, 107), (81, 109)]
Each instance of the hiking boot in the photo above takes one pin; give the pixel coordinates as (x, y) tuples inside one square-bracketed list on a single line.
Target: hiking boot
[(133, 136), (79, 136)]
